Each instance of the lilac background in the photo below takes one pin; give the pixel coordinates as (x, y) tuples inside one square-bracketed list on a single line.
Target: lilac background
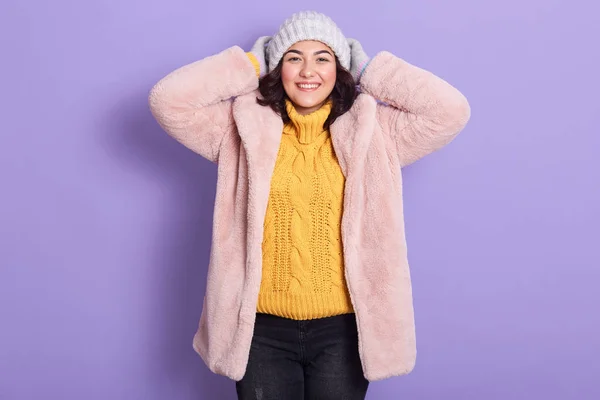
[(105, 221)]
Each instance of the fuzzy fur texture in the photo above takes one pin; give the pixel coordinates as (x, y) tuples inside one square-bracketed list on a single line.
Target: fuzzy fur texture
[(210, 107)]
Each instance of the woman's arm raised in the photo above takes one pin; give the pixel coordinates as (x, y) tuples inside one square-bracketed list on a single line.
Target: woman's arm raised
[(193, 103), (422, 112)]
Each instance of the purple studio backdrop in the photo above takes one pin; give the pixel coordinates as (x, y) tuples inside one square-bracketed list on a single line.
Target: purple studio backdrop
[(105, 222)]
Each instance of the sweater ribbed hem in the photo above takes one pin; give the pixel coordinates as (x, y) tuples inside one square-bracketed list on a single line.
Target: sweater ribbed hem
[(304, 306)]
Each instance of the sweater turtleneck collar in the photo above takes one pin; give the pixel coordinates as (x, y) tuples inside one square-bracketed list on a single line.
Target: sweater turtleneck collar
[(306, 127)]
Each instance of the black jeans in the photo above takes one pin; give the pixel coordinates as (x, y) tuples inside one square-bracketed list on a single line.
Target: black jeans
[(298, 360)]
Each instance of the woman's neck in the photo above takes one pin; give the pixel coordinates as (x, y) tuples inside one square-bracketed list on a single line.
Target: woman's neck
[(306, 127)]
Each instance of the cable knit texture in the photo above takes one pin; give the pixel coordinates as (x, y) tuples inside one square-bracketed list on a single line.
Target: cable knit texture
[(303, 269)]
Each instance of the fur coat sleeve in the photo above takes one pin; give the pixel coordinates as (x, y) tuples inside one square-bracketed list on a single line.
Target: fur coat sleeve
[(421, 112), (193, 103)]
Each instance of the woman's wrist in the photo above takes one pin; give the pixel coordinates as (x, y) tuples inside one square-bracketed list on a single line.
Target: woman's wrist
[(361, 69), (255, 63)]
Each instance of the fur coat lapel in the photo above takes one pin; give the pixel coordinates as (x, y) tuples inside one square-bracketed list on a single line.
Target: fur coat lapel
[(260, 130), (351, 134)]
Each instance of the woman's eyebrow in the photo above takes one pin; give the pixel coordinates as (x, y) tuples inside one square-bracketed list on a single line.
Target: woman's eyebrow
[(301, 53)]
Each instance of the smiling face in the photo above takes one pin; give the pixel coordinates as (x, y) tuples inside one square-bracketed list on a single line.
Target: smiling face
[(308, 74)]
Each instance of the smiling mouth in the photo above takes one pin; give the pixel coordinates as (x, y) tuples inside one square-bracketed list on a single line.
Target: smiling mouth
[(308, 87)]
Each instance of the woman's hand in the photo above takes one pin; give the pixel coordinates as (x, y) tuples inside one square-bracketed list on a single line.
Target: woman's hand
[(358, 59), (259, 51)]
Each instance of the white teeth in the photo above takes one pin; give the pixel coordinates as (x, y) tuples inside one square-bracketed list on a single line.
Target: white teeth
[(308, 86)]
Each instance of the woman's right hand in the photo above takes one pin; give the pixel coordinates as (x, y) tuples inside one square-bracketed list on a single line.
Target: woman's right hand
[(259, 51)]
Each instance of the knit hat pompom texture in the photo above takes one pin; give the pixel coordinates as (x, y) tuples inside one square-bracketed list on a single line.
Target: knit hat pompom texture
[(308, 25)]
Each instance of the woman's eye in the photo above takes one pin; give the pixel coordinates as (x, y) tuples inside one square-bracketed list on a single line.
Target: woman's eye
[(293, 58), (321, 59)]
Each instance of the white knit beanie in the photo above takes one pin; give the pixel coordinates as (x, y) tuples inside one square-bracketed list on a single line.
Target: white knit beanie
[(308, 25)]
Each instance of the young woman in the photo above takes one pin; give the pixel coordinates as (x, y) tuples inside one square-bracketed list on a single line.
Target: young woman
[(308, 293)]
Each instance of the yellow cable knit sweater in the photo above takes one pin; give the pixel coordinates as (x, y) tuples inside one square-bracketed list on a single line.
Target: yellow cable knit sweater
[(303, 269)]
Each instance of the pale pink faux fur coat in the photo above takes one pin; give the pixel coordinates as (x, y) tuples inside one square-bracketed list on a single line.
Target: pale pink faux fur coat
[(210, 107)]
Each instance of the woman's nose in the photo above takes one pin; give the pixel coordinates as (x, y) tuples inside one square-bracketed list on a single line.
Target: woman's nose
[(306, 72)]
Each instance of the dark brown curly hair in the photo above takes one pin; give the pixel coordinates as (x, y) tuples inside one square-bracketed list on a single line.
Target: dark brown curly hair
[(342, 97)]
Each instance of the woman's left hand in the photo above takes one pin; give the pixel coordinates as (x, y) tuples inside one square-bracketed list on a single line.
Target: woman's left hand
[(358, 59)]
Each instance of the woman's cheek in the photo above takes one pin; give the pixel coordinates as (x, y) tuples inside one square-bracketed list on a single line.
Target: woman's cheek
[(329, 77), (287, 74)]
